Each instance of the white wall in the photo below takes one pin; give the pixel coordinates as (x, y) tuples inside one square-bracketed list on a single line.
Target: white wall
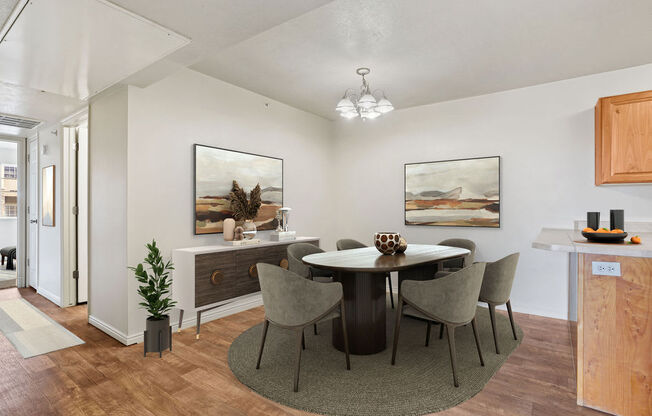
[(164, 121), (107, 226), (49, 241), (545, 136)]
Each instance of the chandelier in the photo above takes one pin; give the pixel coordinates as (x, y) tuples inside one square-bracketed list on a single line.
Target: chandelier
[(363, 104)]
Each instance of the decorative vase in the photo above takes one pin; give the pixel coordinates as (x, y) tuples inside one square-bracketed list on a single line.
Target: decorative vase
[(387, 242), (228, 228), (249, 228), (402, 246), (158, 335)]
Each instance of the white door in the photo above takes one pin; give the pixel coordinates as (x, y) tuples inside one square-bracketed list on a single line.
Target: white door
[(32, 213)]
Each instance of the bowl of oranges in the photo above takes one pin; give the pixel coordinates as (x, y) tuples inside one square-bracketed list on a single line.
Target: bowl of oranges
[(603, 235)]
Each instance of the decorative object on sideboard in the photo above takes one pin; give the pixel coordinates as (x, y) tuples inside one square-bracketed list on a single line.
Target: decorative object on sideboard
[(229, 229), (284, 234), (461, 193), (238, 233), (245, 209), (215, 170), (155, 290), (363, 103), (249, 229), (402, 245), (387, 242)]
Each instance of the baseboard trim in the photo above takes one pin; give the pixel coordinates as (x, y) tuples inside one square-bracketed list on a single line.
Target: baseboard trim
[(108, 329), (190, 320), (49, 296)]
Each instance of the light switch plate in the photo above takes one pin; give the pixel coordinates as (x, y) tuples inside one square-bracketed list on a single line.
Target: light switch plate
[(606, 268)]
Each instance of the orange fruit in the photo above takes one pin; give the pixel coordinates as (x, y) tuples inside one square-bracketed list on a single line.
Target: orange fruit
[(636, 240), (588, 230), (602, 230), (617, 231)]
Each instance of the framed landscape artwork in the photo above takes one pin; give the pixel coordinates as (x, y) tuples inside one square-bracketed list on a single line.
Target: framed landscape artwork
[(47, 195), (460, 193), (215, 171)]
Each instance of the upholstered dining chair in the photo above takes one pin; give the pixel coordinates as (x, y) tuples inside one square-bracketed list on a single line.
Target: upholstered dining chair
[(293, 302), (459, 263), (349, 244), (496, 289), (451, 300), (296, 252)]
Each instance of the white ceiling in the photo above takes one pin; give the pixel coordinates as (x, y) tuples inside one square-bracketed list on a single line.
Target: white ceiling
[(305, 52), (425, 51)]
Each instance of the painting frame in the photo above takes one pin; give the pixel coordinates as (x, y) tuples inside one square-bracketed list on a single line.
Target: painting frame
[(196, 146), (498, 225), (48, 196)]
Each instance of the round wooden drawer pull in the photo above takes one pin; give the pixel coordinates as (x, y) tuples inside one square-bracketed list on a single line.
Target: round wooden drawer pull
[(253, 271), (216, 277), (284, 264)]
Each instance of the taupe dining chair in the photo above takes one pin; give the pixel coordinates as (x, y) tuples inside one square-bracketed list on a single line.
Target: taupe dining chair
[(293, 302), (496, 289), (451, 300), (349, 244), (296, 252), (459, 263)]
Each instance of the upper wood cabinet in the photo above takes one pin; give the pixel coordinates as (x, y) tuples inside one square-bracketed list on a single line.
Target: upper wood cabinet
[(623, 139)]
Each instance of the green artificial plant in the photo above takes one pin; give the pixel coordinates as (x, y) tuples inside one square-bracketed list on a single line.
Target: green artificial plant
[(155, 283)]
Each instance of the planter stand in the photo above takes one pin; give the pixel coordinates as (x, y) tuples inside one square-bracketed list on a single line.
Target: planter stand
[(157, 337)]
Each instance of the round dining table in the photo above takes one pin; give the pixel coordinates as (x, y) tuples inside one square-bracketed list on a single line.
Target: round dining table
[(362, 273)]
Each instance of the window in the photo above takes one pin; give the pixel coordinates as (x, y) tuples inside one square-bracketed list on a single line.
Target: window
[(10, 172), (10, 211)]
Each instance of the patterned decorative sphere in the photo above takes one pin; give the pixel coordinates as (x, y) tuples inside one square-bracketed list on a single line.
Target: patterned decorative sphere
[(387, 242), (402, 245)]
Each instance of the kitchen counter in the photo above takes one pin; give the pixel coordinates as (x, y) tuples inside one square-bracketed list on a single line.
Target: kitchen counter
[(571, 241)]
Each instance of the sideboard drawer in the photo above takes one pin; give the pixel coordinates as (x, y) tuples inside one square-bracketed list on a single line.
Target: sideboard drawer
[(217, 279), (245, 260)]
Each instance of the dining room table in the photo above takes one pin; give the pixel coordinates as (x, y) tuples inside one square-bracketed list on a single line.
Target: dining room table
[(362, 273)]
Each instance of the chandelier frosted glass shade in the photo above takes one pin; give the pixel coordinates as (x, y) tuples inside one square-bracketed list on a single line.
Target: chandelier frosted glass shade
[(363, 103)]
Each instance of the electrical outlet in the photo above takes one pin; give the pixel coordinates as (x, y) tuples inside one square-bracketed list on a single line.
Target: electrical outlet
[(606, 268)]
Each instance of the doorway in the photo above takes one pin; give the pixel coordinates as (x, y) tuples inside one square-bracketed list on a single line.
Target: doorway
[(32, 212), (9, 171)]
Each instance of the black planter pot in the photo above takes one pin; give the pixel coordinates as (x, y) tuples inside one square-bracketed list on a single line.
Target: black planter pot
[(158, 335)]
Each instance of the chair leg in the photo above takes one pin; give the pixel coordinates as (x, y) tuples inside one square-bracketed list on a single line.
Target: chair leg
[(315, 328), (397, 327), (303, 340), (511, 319), (346, 336), (262, 343), (391, 291), (428, 333), (492, 315), (441, 331), (298, 365), (450, 331), (477, 340)]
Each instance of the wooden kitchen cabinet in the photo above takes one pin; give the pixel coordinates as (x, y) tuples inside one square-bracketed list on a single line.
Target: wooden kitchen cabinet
[(623, 139)]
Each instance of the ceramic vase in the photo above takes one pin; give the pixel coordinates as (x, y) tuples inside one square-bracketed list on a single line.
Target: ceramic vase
[(228, 228), (249, 229), (387, 242)]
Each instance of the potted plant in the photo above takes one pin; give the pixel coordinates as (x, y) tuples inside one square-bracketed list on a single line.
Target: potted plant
[(245, 209), (155, 291)]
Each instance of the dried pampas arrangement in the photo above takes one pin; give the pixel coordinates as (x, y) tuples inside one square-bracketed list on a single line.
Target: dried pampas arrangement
[(245, 208)]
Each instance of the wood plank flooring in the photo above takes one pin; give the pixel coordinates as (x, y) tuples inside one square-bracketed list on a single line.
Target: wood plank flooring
[(103, 377)]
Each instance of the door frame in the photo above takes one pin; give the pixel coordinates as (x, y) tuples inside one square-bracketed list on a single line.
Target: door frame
[(22, 210), (29, 210)]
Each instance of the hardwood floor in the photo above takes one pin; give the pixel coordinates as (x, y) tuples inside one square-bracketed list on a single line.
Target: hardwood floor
[(103, 377)]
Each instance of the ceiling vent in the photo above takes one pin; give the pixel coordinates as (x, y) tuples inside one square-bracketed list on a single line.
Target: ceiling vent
[(20, 122)]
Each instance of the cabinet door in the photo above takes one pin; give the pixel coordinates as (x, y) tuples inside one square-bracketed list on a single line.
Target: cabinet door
[(624, 139)]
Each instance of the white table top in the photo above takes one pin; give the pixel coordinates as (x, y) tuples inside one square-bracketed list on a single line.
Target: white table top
[(571, 241), (224, 247)]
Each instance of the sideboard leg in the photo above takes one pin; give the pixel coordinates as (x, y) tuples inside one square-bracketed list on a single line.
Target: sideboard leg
[(180, 319), (198, 324)]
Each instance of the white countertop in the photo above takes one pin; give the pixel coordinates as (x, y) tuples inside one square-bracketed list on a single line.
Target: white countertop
[(225, 247), (571, 241)]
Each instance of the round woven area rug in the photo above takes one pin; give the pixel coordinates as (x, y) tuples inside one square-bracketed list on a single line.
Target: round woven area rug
[(421, 381)]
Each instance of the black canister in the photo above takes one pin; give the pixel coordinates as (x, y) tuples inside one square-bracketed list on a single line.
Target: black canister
[(617, 219)]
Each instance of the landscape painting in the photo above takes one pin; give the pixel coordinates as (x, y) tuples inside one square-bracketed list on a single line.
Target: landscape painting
[(215, 171), (461, 193)]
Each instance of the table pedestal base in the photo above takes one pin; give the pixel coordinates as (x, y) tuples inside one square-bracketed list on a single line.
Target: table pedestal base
[(365, 308)]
